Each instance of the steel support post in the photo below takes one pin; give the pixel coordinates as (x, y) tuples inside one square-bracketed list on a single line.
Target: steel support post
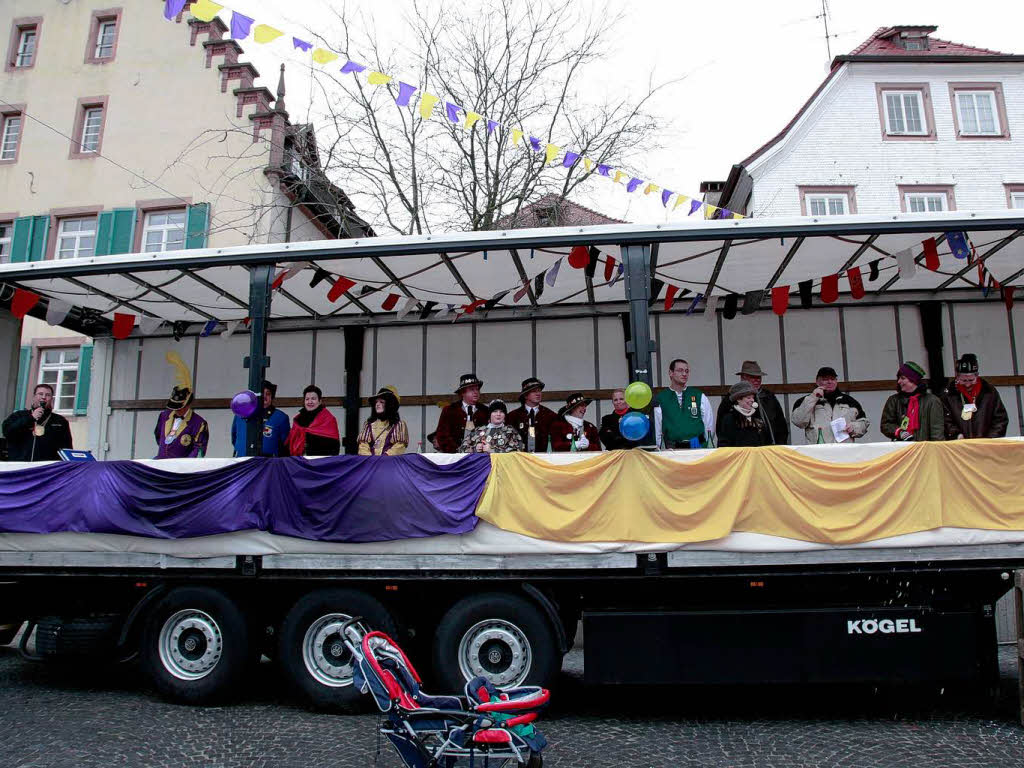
[(637, 261), (257, 360), (1018, 609)]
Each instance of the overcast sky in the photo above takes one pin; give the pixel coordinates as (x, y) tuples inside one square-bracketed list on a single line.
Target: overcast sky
[(748, 66)]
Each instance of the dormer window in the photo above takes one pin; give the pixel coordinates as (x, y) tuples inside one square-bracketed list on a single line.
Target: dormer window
[(915, 43)]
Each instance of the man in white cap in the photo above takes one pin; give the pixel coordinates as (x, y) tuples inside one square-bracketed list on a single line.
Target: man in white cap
[(767, 404)]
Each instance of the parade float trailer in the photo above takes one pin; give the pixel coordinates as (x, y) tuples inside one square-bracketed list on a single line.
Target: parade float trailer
[(872, 562)]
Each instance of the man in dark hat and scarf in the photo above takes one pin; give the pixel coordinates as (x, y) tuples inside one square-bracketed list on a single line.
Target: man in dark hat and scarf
[(462, 416), (180, 432), (973, 407), (531, 419)]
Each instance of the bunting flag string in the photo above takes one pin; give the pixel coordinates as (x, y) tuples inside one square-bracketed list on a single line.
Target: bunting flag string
[(22, 302), (123, 324), (56, 311)]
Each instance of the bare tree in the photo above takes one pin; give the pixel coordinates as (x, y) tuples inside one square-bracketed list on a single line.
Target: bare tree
[(521, 65)]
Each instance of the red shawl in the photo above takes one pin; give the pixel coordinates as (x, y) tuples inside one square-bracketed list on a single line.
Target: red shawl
[(323, 425)]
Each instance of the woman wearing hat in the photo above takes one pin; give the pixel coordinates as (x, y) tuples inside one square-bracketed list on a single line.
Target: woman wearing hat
[(384, 433), (743, 424), (494, 437), (571, 433), (462, 416), (913, 413)]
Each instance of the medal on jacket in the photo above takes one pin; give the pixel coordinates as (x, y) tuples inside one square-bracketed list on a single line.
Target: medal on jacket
[(693, 406), (968, 412), (39, 430), (531, 438)]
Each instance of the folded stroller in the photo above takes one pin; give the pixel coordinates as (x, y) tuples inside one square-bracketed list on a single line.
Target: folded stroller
[(488, 726)]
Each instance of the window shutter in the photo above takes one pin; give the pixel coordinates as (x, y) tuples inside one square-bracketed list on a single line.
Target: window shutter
[(28, 242), (84, 376), (116, 232), (40, 231), (197, 225), (24, 360)]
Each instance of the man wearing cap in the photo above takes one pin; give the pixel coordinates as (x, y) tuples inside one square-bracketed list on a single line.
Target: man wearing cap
[(769, 406), (973, 407), (913, 413), (276, 427), (462, 416), (814, 413), (683, 417), (571, 432), (180, 432), (531, 419)]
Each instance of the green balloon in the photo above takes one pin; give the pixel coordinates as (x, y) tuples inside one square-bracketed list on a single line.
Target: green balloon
[(638, 395)]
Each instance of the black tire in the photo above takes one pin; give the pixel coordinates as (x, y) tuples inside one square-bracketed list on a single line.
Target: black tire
[(536, 760), (195, 645), (513, 624), (322, 683), (8, 632), (77, 637)]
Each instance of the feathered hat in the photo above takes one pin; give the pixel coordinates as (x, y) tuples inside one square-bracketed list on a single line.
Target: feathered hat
[(181, 394)]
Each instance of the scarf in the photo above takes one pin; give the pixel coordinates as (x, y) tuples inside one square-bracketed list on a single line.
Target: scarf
[(316, 422), (914, 412), (576, 421), (970, 394), (748, 412), (625, 409)]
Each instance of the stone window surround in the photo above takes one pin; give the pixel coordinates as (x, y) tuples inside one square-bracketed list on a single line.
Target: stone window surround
[(997, 90), (1011, 190), (17, 26), (11, 110), (159, 205), (849, 191), (107, 14), (56, 214), (84, 103), (926, 104), (927, 189)]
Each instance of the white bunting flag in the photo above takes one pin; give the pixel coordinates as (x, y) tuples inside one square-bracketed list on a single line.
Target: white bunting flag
[(148, 325), (905, 260), (57, 311), (409, 306), (229, 328)]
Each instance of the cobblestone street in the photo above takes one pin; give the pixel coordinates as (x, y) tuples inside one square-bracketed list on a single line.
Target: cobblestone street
[(61, 716)]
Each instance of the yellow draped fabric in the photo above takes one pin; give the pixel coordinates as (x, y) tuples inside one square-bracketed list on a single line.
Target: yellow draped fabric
[(642, 497)]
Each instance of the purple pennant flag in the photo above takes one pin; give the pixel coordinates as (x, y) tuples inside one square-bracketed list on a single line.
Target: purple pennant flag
[(208, 328), (724, 213), (693, 304), (491, 125), (405, 92), (694, 205), (240, 25), (173, 7), (553, 273), (570, 159), (665, 195), (535, 143), (618, 274), (452, 110), (957, 242), (301, 44), (353, 67), (604, 170), (633, 184)]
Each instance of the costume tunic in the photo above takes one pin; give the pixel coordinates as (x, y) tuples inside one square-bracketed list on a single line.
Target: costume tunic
[(542, 418), (501, 438), (181, 438), (379, 438)]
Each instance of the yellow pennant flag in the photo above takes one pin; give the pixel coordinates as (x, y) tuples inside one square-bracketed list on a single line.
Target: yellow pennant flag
[(709, 210), (587, 163), (516, 135), (471, 118), (651, 188), (323, 56), (550, 153), (378, 78), (680, 200), (619, 175), (264, 34), (204, 10), (737, 215), (427, 102)]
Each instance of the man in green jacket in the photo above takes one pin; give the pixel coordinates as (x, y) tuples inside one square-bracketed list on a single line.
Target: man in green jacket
[(913, 413), (683, 417)]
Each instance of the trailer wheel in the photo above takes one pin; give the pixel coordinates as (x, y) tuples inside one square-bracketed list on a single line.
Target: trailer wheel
[(195, 645), (502, 637), (311, 652)]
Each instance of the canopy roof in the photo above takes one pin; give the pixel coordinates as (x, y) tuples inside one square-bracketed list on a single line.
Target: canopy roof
[(716, 257)]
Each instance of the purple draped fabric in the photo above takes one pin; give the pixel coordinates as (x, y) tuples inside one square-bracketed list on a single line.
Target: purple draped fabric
[(341, 498)]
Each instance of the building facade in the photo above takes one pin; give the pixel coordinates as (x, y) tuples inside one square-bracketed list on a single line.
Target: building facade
[(905, 122), (121, 131)]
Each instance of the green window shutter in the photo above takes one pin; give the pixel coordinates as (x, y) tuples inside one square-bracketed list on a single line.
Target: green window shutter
[(24, 360), (84, 377), (28, 242), (116, 232), (197, 228), (40, 232)]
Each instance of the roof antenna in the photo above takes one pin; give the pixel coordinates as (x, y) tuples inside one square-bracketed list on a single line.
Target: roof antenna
[(824, 19)]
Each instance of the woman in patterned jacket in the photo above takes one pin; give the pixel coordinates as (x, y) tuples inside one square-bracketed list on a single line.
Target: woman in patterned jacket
[(495, 436)]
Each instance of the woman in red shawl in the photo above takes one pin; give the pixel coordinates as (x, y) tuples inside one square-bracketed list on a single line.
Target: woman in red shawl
[(314, 429)]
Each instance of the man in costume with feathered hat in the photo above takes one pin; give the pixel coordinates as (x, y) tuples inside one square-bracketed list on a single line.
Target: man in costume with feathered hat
[(180, 432)]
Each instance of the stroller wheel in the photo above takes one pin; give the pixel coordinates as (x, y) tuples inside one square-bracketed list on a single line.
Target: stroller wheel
[(536, 760), (312, 654)]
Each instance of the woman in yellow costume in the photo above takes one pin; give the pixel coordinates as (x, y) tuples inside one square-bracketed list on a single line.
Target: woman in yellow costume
[(384, 433)]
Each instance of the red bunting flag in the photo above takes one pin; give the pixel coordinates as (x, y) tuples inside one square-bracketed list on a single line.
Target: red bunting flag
[(579, 257), (22, 302), (1008, 296), (931, 254), (609, 268), (389, 302), (522, 291), (341, 285), (123, 324), (829, 288), (856, 282), (470, 308), (780, 299), (670, 296), (279, 280)]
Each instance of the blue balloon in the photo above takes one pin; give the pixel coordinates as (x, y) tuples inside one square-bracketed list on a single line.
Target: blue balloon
[(634, 426)]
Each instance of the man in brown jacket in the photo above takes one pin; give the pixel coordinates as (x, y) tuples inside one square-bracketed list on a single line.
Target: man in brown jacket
[(972, 406), (462, 416)]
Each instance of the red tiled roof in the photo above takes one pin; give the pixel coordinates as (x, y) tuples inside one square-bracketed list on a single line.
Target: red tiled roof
[(881, 43), (566, 213)]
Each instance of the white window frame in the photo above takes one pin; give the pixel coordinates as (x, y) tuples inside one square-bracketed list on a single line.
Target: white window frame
[(26, 51), (62, 367), (6, 230), (104, 25), (1017, 199), (923, 198), (166, 231), (918, 97), (76, 236), (827, 199), (92, 129), (9, 139), (997, 128)]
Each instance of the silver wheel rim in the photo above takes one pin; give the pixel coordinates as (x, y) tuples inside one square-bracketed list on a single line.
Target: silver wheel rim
[(190, 644), (498, 650), (324, 653)]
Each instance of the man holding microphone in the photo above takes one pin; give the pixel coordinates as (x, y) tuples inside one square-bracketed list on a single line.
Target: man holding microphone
[(37, 433)]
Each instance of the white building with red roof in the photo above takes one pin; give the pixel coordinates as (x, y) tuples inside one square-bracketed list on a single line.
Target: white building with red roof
[(904, 122)]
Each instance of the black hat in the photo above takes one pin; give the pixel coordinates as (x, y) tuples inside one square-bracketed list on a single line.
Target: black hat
[(267, 384), (387, 394), (529, 385), (498, 405), (826, 372), (180, 397), (468, 380), (968, 363), (576, 398)]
